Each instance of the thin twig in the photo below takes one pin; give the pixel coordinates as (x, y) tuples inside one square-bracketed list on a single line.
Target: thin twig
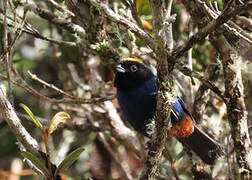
[(210, 27), (105, 10), (202, 95), (63, 23), (61, 8), (27, 28), (168, 20), (70, 126), (17, 36), (5, 35), (190, 65), (167, 154), (122, 166), (7, 59), (36, 34), (135, 14), (35, 77), (185, 70), (230, 25), (77, 100)]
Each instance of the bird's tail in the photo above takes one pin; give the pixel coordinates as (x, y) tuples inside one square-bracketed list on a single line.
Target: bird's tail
[(203, 145)]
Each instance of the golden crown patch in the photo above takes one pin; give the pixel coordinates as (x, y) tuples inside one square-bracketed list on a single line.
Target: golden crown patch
[(132, 59)]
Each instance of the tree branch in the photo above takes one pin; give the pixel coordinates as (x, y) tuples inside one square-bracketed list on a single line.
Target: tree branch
[(164, 103), (236, 110), (202, 95), (9, 114), (203, 79), (230, 25), (29, 29), (105, 10), (210, 27), (45, 14), (8, 58), (233, 96), (75, 100)]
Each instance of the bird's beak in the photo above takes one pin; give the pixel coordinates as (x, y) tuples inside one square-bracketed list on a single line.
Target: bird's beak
[(120, 69)]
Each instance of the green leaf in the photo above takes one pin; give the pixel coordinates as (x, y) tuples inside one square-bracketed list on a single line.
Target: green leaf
[(36, 161), (28, 111), (69, 160)]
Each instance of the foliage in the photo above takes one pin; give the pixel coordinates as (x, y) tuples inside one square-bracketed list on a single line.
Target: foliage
[(74, 74), (60, 117)]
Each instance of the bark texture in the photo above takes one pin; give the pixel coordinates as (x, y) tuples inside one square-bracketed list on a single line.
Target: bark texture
[(156, 144), (234, 97), (8, 113), (236, 110)]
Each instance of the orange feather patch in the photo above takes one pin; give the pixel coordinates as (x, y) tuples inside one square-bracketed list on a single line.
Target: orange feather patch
[(182, 129)]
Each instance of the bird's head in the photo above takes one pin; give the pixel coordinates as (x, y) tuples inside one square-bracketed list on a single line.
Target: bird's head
[(130, 73)]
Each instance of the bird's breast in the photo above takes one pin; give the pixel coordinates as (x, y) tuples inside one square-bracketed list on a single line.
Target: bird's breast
[(138, 106)]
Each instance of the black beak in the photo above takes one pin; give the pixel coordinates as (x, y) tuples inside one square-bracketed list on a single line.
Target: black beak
[(120, 69)]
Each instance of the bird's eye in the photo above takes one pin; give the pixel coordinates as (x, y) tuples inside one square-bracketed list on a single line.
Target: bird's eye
[(133, 68)]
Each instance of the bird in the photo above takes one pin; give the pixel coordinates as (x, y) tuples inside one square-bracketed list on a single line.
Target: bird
[(136, 95)]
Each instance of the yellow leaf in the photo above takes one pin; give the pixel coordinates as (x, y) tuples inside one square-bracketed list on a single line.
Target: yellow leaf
[(146, 24), (60, 117)]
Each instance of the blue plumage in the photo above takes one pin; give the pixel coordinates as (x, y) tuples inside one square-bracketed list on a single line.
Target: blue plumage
[(139, 105), (136, 93)]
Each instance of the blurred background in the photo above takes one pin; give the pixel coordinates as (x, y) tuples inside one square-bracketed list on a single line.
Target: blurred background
[(81, 65)]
